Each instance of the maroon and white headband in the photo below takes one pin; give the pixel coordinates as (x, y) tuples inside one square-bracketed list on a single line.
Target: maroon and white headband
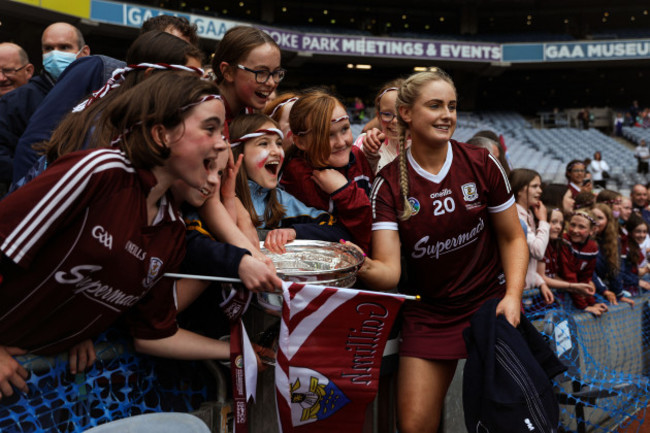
[(584, 215), (124, 133), (337, 120), (119, 75), (386, 91), (256, 134), (200, 101), (282, 104)]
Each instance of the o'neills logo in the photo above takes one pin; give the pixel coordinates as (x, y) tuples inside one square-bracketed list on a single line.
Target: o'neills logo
[(95, 290), (422, 247)]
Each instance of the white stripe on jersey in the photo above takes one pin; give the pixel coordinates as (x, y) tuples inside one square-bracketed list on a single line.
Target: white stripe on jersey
[(56, 201), (502, 207), (385, 225), (361, 177), (503, 173), (379, 181)]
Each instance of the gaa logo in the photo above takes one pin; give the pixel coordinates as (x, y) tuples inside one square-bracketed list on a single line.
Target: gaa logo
[(415, 205), (104, 237)]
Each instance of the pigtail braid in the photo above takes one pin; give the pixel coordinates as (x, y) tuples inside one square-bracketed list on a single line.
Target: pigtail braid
[(403, 177)]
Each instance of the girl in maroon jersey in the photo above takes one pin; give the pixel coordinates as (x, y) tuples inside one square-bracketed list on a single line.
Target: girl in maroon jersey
[(548, 268), (610, 275), (323, 169), (575, 174), (578, 254), (88, 241), (247, 65), (635, 262), (448, 209)]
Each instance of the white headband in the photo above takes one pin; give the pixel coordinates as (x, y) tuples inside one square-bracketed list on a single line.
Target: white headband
[(119, 75), (282, 104), (256, 134)]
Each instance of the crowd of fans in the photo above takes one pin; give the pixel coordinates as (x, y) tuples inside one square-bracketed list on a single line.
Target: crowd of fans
[(99, 157)]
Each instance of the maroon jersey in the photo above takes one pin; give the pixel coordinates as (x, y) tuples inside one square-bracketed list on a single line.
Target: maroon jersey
[(551, 260), (577, 265), (84, 253), (349, 204), (450, 251)]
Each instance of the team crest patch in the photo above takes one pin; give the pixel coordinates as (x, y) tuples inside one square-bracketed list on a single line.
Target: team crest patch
[(313, 396), (155, 264), (469, 191), (415, 205)]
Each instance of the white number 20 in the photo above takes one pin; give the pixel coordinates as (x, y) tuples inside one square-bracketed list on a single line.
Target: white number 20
[(441, 206)]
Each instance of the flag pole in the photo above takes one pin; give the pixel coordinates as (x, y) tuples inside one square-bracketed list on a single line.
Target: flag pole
[(237, 280)]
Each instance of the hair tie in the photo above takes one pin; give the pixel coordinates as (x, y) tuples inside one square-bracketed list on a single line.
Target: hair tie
[(282, 104), (584, 215), (118, 76), (384, 92), (258, 133)]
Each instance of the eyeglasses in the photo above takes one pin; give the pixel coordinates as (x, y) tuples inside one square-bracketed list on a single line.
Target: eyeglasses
[(7, 72), (386, 116), (577, 170), (263, 75)]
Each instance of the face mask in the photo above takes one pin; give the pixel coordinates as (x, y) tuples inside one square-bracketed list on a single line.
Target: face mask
[(55, 62)]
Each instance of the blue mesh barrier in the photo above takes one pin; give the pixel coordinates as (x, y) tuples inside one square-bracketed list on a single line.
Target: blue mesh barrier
[(607, 385), (120, 384)]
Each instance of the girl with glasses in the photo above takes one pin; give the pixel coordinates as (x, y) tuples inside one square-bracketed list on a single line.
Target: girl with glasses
[(382, 146), (575, 174), (247, 66)]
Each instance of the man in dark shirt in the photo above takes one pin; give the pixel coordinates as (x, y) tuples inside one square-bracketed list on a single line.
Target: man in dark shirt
[(61, 44)]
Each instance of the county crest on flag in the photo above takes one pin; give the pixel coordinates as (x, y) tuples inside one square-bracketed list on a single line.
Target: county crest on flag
[(329, 354)]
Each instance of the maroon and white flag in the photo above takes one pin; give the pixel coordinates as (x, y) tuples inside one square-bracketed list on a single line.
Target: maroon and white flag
[(330, 348)]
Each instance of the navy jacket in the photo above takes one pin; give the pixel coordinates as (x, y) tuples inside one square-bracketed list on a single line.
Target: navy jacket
[(80, 79), (506, 386), (16, 108)]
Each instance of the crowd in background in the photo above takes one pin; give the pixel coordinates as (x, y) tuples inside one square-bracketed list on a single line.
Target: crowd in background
[(104, 160)]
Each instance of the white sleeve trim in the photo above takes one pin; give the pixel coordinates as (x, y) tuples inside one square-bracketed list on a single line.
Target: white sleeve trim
[(385, 225), (502, 207)]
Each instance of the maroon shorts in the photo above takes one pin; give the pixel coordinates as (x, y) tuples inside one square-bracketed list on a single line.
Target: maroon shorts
[(429, 334)]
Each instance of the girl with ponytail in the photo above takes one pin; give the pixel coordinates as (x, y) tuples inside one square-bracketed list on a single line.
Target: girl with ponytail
[(449, 209)]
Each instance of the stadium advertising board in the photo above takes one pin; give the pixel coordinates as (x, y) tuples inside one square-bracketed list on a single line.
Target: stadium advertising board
[(388, 47), (331, 44)]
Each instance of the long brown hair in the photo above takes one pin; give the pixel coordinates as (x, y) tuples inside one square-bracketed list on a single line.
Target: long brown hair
[(519, 180), (633, 250), (156, 101), (274, 211), (608, 239)]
